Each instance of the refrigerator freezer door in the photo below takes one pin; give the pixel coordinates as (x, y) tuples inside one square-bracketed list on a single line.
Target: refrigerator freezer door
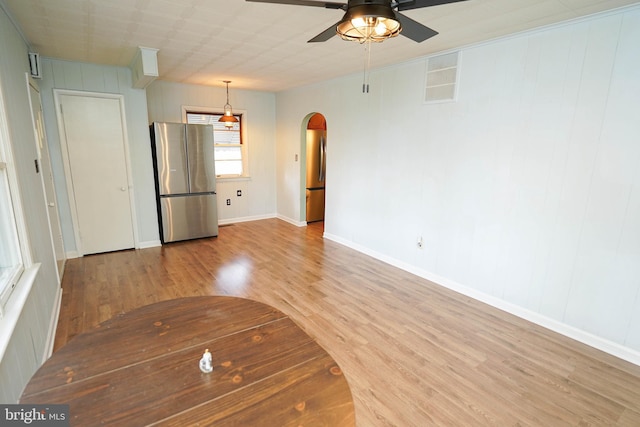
[(171, 158), (202, 172), (315, 205), (189, 217)]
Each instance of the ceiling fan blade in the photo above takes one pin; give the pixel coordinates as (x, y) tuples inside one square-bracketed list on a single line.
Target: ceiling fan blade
[(324, 4), (413, 29), (417, 4), (325, 35)]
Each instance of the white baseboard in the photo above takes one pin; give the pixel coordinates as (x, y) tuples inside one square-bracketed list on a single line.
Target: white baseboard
[(149, 244), (292, 221), (610, 347), (245, 219), (72, 254), (61, 268), (140, 245), (53, 325)]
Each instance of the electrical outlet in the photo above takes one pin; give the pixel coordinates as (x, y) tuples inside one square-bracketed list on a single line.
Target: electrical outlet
[(239, 193), (228, 202)]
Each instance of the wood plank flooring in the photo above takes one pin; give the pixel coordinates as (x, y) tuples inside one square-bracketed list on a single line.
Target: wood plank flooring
[(414, 353)]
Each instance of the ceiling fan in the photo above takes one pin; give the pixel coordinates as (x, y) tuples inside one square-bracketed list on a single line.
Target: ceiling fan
[(371, 20)]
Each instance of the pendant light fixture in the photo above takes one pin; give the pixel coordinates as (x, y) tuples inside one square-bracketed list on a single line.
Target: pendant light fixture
[(228, 118), (368, 22)]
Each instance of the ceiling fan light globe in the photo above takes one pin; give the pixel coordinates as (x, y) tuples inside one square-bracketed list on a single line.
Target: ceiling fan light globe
[(381, 28), (358, 22)]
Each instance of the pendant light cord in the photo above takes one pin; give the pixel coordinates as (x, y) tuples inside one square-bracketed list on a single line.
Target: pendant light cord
[(227, 83)]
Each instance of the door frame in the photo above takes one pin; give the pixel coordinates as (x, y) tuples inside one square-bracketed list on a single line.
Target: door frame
[(42, 144), (57, 94)]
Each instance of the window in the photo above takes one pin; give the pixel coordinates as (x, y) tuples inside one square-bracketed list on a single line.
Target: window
[(11, 265), (230, 151)]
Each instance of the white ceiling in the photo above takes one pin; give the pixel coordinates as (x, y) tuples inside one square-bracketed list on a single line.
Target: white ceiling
[(262, 46)]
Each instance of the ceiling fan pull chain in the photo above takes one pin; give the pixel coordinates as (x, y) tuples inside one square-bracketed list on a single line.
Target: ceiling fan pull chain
[(367, 66), (364, 70)]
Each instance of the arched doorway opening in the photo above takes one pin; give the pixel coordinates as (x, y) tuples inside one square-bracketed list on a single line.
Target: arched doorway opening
[(316, 166)]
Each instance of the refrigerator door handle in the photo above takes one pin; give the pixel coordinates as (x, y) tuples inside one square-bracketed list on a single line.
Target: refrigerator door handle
[(322, 159)]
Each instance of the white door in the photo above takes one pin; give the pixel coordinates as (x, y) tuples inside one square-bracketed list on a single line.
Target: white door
[(47, 176), (96, 167)]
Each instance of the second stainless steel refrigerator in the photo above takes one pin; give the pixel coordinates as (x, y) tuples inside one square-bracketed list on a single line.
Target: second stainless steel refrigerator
[(184, 167), (316, 166)]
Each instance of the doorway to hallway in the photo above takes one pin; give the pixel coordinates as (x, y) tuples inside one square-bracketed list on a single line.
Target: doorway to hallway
[(316, 166)]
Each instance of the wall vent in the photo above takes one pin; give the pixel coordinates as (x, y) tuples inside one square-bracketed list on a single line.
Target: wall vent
[(34, 65), (441, 79)]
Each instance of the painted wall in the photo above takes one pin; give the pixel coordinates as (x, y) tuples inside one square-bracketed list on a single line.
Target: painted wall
[(258, 200), (526, 191), (27, 325), (58, 74)]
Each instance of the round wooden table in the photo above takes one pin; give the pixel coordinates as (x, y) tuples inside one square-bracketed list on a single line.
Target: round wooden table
[(142, 368)]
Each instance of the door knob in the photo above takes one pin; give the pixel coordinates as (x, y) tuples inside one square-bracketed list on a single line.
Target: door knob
[(51, 204), (123, 188)]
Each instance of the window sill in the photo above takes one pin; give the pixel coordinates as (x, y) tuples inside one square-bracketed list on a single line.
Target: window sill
[(14, 306), (232, 178)]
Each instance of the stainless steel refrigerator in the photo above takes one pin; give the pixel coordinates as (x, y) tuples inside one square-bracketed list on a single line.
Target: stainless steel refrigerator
[(184, 169), (316, 167)]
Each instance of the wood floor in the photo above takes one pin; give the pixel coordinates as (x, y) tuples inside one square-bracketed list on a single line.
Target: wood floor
[(414, 353)]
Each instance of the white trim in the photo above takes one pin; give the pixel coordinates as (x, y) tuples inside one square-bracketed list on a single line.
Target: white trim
[(16, 213), (67, 170), (233, 178), (127, 158), (31, 84), (149, 244), (73, 254), (62, 265), (15, 305), (292, 221), (57, 93), (569, 331), (38, 140), (14, 186), (245, 219), (53, 323)]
